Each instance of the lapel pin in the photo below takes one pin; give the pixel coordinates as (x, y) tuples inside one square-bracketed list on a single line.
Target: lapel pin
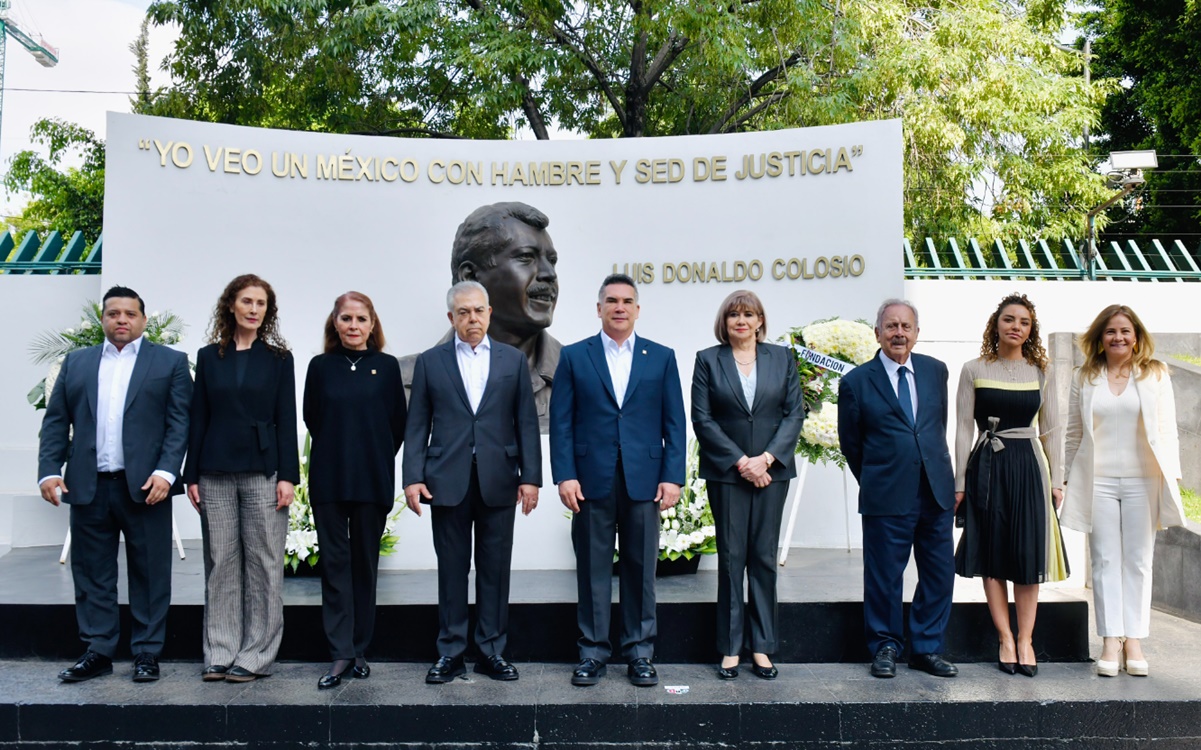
[(373, 372), (644, 351)]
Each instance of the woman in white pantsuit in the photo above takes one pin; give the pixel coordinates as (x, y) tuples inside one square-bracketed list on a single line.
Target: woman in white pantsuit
[(1123, 465)]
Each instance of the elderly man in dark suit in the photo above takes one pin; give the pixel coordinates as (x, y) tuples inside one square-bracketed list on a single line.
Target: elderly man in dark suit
[(892, 427), (127, 401), (617, 450), (472, 451)]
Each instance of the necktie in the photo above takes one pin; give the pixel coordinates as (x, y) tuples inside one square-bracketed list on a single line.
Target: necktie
[(903, 393)]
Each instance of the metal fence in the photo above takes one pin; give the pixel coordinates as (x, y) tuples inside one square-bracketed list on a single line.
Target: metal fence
[(1157, 260)]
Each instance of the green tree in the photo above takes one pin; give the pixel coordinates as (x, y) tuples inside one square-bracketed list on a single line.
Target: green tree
[(992, 111), (68, 199), (1154, 46)]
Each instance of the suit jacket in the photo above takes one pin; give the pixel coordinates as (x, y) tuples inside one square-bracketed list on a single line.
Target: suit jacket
[(1157, 410), (727, 428), (588, 427), (885, 452), (251, 427), (154, 432), (442, 431)]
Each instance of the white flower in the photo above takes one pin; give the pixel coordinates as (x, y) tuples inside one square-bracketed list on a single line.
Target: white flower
[(154, 314), (85, 325), (847, 340), (821, 427), (70, 331), (675, 525)]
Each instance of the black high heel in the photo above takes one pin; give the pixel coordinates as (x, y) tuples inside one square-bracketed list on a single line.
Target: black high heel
[(1008, 667), (362, 670), (333, 678), (1028, 669)]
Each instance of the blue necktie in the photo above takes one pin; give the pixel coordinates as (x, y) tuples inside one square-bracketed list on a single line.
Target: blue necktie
[(903, 394)]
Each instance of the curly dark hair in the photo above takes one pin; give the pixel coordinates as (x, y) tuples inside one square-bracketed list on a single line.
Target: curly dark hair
[(1032, 349), (223, 323)]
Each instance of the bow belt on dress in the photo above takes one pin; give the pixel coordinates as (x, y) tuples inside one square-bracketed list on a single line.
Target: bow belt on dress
[(992, 441)]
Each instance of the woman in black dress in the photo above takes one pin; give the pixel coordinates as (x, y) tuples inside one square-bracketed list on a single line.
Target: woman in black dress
[(354, 407), (241, 473), (1007, 460)]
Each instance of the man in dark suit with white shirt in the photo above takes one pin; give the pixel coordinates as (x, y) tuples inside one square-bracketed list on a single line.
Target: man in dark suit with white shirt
[(472, 451), (892, 428), (127, 400), (617, 450)]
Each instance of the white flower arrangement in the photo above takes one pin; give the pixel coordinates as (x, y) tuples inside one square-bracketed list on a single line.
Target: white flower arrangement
[(853, 342), (687, 529)]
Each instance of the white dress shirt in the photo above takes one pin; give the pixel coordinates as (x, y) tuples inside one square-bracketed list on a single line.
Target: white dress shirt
[(474, 365), (116, 368), (891, 368), (620, 358)]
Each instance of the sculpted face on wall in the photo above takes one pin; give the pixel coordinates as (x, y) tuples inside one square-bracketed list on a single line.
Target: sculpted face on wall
[(505, 247)]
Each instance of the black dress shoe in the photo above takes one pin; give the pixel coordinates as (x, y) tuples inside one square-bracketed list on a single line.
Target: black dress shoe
[(1027, 669), (333, 678), (885, 662), (90, 665), (587, 672), (642, 673), (496, 667), (445, 669), (215, 673), (1008, 667), (145, 668), (240, 674), (727, 673), (766, 673), (933, 664), (362, 670)]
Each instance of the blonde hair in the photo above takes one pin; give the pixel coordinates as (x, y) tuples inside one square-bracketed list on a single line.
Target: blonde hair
[(1143, 362), (738, 301)]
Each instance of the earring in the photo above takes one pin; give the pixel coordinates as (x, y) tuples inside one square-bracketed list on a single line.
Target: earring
[(1136, 348)]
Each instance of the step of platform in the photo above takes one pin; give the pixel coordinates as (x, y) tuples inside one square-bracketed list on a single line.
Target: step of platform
[(821, 617)]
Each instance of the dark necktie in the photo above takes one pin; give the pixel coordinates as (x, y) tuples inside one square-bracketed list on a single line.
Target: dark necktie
[(903, 393)]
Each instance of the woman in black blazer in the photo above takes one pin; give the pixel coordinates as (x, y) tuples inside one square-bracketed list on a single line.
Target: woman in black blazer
[(354, 406), (241, 473), (747, 413)]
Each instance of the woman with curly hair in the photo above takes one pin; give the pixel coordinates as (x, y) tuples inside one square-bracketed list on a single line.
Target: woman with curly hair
[(1008, 470), (1123, 459), (241, 472)]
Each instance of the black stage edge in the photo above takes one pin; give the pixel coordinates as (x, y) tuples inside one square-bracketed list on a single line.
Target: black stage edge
[(818, 632), (817, 707), (821, 615)]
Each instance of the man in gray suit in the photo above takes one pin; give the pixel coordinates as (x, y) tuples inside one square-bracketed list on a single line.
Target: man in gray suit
[(473, 452), (127, 401)]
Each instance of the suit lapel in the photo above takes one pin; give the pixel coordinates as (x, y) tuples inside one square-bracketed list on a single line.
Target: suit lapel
[(90, 362), (596, 352), (879, 378), (637, 365), (450, 361), (1146, 400), (140, 366), (725, 362)]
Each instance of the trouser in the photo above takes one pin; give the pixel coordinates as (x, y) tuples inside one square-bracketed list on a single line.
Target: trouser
[(348, 536), (887, 541), (1121, 546), (452, 528), (747, 521), (635, 524), (96, 529), (244, 540)]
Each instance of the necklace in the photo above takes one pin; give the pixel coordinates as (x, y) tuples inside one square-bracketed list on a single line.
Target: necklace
[(745, 364), (352, 364)]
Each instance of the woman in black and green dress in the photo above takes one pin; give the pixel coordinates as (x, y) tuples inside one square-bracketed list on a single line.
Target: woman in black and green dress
[(1009, 471)]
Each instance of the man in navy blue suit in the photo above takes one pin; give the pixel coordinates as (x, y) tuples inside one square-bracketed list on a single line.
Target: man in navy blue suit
[(892, 427), (617, 444), (127, 401)]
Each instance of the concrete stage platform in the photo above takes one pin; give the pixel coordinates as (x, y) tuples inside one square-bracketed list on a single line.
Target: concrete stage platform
[(820, 610), (810, 706)]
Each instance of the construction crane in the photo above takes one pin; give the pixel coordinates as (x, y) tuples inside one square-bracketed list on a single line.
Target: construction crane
[(41, 51)]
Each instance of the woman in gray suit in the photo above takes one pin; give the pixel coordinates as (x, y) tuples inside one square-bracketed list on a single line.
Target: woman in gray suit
[(747, 413)]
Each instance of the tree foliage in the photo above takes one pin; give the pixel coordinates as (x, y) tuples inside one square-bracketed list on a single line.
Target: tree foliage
[(67, 199), (992, 111), (1155, 47)]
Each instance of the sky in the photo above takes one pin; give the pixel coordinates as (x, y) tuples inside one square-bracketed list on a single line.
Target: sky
[(93, 38)]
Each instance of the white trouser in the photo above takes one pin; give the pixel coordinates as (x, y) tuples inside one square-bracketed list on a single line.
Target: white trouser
[(1122, 544)]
